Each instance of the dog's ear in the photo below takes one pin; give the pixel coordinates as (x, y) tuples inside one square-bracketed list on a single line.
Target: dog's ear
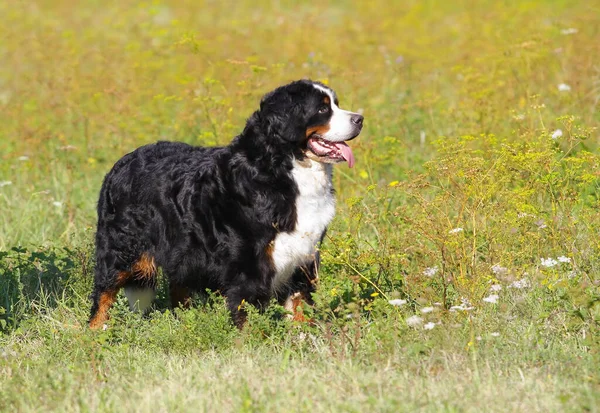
[(283, 116), (284, 126)]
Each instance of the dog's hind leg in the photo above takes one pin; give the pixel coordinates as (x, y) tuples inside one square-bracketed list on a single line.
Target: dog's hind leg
[(180, 295), (139, 298), (139, 282), (103, 298), (140, 288), (102, 301)]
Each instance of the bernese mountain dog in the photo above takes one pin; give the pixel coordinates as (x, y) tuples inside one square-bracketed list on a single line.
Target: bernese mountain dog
[(244, 219)]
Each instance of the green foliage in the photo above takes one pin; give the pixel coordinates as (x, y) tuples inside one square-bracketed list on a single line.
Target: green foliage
[(40, 278)]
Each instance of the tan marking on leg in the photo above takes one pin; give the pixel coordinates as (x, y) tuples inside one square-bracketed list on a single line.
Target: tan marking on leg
[(294, 305), (122, 278), (107, 299), (269, 249), (144, 268)]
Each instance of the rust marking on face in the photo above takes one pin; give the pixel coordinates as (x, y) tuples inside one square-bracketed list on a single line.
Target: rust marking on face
[(144, 268), (319, 130), (107, 299), (326, 100)]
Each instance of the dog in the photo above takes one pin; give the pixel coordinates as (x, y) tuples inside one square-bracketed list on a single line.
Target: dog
[(245, 220)]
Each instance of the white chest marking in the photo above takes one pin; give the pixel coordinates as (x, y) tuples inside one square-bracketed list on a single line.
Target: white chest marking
[(315, 208)]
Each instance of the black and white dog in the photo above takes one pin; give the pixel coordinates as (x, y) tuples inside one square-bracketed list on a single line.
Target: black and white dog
[(245, 219)]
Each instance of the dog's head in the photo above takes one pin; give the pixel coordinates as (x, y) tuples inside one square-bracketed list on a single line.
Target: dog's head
[(306, 115)]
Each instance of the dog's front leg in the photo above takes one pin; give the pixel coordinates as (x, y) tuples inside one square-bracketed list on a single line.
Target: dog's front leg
[(237, 297)]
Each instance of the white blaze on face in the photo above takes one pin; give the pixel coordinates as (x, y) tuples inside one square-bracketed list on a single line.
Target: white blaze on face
[(341, 127)]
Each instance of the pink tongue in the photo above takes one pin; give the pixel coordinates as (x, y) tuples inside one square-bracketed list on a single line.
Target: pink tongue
[(346, 153)]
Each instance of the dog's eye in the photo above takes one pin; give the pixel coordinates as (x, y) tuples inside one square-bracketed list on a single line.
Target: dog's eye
[(324, 109)]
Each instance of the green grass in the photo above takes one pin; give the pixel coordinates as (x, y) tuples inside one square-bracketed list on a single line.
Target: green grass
[(463, 189)]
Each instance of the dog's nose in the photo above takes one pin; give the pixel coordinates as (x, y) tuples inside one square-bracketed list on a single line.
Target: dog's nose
[(357, 119)]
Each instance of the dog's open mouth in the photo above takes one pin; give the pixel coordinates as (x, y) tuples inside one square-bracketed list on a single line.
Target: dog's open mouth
[(331, 151)]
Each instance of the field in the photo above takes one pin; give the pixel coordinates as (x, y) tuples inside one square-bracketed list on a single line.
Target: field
[(462, 271)]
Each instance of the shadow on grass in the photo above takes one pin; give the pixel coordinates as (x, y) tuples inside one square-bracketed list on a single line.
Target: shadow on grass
[(39, 280), (45, 276)]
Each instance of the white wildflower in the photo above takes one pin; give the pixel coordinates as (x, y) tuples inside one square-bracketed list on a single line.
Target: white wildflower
[(519, 116), (5, 97), (430, 271), (570, 30), (461, 308), (557, 134), (549, 262), (455, 230), (493, 298), (104, 327), (571, 275), (397, 302), (57, 204), (465, 305), (5, 183), (562, 258), (563, 87), (541, 224), (23, 158), (478, 338), (495, 334), (429, 326), (496, 287), (426, 310), (499, 270), (520, 284), (414, 321)]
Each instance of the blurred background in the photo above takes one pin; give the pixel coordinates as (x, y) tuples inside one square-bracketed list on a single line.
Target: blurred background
[(82, 83)]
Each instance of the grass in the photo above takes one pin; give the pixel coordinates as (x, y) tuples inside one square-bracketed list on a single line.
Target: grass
[(477, 185)]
